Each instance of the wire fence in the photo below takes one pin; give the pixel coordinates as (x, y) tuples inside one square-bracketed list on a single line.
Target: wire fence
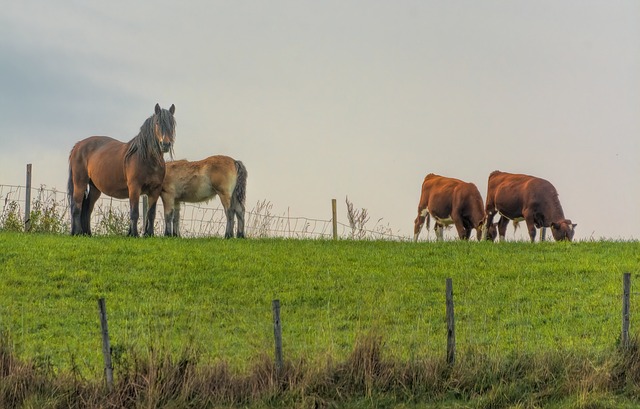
[(485, 322), (207, 219)]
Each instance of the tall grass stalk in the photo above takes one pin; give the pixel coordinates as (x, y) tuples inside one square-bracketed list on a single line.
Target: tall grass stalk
[(368, 377)]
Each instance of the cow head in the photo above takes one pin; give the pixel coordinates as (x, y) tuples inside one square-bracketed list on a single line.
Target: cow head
[(491, 232), (563, 230)]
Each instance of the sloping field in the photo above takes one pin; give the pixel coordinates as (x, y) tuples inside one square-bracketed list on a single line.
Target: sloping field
[(215, 296)]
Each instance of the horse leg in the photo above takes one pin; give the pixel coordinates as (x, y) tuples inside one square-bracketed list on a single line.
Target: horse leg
[(168, 221), (225, 199), (176, 220), (134, 212), (239, 210), (78, 203), (76, 214), (151, 215), (88, 204)]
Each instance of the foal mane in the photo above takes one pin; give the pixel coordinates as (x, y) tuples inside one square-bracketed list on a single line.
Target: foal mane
[(145, 144)]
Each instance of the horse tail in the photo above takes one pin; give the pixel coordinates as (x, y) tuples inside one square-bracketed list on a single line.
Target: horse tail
[(70, 191), (240, 191)]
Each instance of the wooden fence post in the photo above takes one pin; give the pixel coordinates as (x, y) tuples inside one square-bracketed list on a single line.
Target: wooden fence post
[(106, 344), (27, 201), (334, 212), (626, 292), (277, 333), (451, 331)]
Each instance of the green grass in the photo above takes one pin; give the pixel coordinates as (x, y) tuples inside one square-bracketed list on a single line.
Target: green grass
[(215, 296)]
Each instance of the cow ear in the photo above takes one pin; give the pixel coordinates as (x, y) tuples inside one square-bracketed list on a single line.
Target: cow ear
[(554, 225), (172, 109), (574, 225), (157, 109)]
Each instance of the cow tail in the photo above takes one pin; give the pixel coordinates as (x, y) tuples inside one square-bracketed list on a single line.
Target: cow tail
[(240, 191)]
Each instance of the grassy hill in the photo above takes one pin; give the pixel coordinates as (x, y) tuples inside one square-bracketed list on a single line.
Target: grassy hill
[(213, 298)]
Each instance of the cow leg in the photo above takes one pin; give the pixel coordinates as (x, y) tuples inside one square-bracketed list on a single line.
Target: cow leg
[(463, 231), (531, 226), (488, 220), (419, 222), (439, 229), (503, 222)]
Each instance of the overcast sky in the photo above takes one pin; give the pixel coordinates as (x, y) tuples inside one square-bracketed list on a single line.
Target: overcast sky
[(328, 99)]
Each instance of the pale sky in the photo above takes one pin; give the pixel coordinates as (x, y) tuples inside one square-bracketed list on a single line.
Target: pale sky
[(328, 99)]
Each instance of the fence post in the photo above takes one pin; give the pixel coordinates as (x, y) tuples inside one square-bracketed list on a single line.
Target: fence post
[(334, 212), (277, 333), (626, 292), (451, 332), (106, 344), (27, 201)]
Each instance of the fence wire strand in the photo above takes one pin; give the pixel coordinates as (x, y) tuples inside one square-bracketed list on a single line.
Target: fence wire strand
[(205, 219)]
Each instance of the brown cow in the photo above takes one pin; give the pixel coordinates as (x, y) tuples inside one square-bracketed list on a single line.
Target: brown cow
[(450, 201), (522, 197)]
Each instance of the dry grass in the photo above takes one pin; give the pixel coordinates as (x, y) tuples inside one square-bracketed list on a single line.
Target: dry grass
[(366, 375)]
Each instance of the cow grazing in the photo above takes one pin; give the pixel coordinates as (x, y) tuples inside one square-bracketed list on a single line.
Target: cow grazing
[(522, 197), (450, 201)]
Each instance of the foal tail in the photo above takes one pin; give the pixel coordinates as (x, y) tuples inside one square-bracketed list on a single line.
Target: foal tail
[(238, 197), (240, 191)]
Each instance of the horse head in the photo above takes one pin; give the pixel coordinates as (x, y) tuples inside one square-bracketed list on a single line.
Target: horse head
[(164, 127)]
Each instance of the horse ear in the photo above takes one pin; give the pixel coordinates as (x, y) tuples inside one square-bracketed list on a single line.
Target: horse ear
[(157, 109), (172, 109)]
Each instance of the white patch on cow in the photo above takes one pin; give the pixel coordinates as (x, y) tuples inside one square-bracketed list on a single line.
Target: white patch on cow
[(444, 222), (516, 220), (423, 212)]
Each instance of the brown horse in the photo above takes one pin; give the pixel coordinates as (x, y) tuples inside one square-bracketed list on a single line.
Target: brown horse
[(100, 164), (201, 181)]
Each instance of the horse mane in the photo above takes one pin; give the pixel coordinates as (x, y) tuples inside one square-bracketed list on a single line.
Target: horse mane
[(145, 145)]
